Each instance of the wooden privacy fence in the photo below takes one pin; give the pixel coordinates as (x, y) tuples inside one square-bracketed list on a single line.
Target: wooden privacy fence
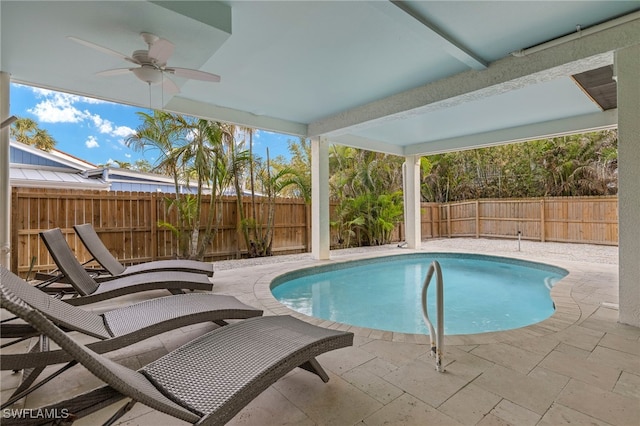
[(592, 220), (127, 223)]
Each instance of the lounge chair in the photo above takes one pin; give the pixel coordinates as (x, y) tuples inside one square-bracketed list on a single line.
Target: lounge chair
[(207, 381), (111, 265), (91, 291), (114, 329)]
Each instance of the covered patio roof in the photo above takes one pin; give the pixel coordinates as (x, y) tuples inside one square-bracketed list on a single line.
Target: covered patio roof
[(401, 77), (409, 77)]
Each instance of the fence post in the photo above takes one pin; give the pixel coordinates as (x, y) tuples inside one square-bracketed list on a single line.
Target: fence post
[(154, 225), (477, 218), (307, 227), (13, 225), (449, 233), (542, 224)]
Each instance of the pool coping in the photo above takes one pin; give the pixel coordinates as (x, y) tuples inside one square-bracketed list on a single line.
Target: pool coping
[(566, 314)]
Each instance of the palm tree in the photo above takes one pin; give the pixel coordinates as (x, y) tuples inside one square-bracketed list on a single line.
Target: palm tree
[(249, 131), (368, 185), (27, 131), (122, 164), (161, 133)]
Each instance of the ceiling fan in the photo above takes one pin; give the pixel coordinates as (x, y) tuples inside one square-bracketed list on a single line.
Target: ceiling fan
[(152, 63)]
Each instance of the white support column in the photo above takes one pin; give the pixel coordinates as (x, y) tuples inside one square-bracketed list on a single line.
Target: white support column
[(320, 198), (411, 185), (5, 184), (627, 65)]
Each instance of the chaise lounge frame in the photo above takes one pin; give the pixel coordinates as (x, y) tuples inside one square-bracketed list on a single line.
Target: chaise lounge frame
[(208, 380), (90, 291), (111, 265), (115, 329)]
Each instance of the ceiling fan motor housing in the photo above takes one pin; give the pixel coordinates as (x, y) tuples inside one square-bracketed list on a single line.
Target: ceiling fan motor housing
[(148, 73)]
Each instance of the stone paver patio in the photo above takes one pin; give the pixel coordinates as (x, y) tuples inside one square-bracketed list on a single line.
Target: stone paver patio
[(578, 367)]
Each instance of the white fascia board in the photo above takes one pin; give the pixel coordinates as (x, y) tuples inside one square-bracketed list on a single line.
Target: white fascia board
[(548, 129), (184, 106)]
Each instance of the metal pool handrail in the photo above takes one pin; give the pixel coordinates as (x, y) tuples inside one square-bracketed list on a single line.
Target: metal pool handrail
[(437, 338)]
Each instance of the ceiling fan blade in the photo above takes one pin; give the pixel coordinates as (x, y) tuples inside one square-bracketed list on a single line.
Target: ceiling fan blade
[(193, 74), (102, 49), (116, 71), (169, 86), (160, 51)]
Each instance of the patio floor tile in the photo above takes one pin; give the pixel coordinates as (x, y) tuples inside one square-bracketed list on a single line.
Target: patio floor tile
[(509, 356), (409, 411), (470, 404), (335, 403), (596, 373), (600, 404), (514, 414), (532, 393), (560, 415), (424, 382)]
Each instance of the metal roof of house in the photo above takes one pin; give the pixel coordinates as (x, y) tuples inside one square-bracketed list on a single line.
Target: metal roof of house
[(50, 177)]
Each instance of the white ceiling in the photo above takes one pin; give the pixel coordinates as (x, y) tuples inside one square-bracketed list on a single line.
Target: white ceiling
[(406, 78)]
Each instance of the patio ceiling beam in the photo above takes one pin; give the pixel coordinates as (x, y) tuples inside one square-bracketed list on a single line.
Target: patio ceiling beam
[(181, 105), (428, 30), (368, 144), (511, 73)]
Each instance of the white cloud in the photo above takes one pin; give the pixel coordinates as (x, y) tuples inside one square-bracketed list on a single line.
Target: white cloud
[(128, 155), (107, 127), (57, 111), (123, 131), (56, 107), (91, 142)]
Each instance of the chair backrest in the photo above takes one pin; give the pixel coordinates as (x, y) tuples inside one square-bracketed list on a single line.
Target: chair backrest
[(61, 313), (67, 262), (126, 381), (98, 250)]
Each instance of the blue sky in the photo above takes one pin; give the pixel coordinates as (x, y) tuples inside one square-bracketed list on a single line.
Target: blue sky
[(95, 130)]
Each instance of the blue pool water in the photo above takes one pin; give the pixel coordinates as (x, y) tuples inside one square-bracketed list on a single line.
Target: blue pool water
[(481, 293)]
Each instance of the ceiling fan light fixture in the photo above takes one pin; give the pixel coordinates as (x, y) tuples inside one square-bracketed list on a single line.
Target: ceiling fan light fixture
[(148, 74)]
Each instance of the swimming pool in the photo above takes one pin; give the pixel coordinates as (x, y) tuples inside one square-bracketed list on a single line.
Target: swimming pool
[(481, 293)]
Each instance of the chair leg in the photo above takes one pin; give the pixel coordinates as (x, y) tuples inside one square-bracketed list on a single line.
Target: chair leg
[(121, 412), (29, 375), (71, 409), (19, 395), (314, 366)]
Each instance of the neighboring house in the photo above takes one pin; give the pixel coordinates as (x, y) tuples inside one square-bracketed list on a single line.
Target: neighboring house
[(131, 180), (34, 168)]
